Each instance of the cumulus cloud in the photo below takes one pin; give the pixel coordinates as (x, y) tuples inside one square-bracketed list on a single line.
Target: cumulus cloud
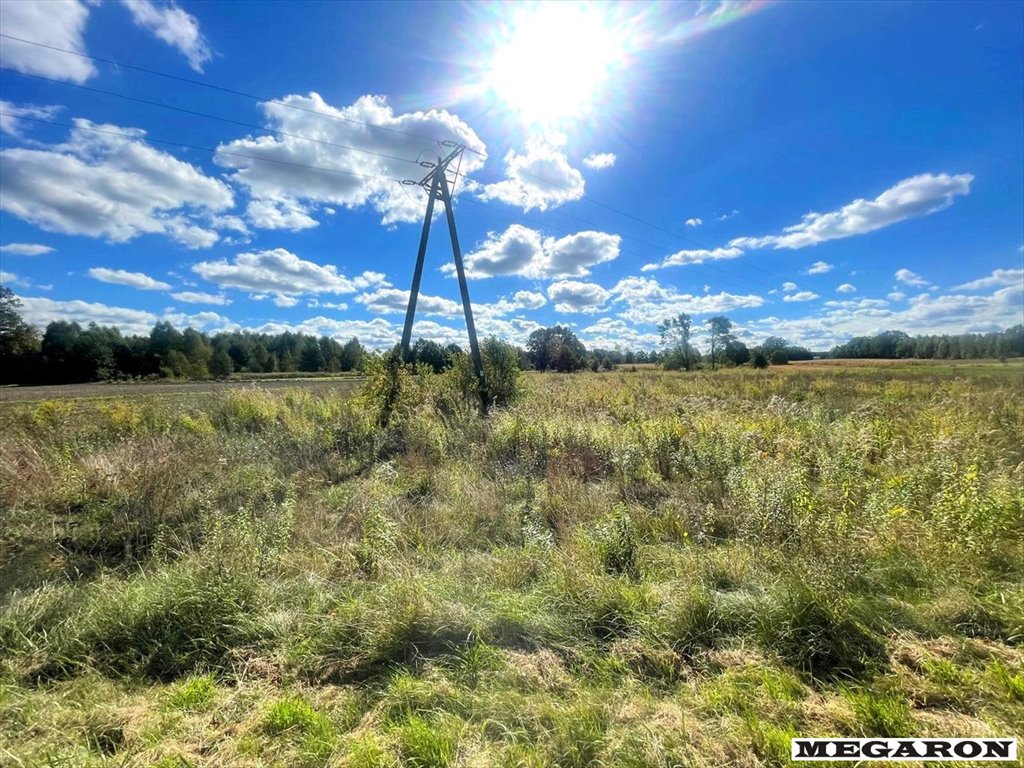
[(800, 296), (112, 186), (175, 27), (924, 314), (917, 196), (56, 23), (195, 297), (385, 301), (9, 114), (9, 278), (599, 161), (647, 301), (282, 273), (907, 277), (698, 256), (819, 268), (846, 288), (540, 178), (40, 311), (896, 296), (354, 164), (279, 214), (525, 252), (25, 249), (138, 280), (787, 286), (609, 332), (576, 296), (999, 278), (694, 222)]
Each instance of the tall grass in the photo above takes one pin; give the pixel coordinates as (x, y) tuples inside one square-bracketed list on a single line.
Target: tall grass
[(615, 569)]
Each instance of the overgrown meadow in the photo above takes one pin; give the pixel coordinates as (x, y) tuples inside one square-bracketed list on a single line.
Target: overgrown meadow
[(619, 569)]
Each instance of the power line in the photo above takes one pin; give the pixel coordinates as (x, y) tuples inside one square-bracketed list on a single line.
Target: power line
[(209, 116), (236, 92), (203, 149), (224, 89)]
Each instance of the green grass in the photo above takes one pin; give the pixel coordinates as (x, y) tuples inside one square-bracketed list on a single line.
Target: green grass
[(620, 569)]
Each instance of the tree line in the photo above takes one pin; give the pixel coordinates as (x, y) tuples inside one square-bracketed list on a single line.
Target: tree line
[(897, 345), (67, 352)]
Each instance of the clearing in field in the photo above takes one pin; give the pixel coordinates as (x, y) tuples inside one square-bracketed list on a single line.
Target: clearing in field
[(622, 569)]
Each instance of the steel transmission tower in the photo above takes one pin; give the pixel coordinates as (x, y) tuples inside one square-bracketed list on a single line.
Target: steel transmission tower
[(439, 188)]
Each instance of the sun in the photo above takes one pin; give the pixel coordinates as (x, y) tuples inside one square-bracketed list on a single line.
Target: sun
[(553, 60)]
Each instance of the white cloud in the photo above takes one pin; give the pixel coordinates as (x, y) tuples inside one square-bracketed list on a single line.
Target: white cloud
[(907, 277), (195, 297), (819, 268), (9, 278), (9, 114), (608, 333), (523, 251), (25, 249), (923, 314), (896, 296), (694, 222), (279, 214), (648, 302), (999, 278), (846, 288), (726, 216), (698, 256), (787, 286), (138, 280), (341, 177), (529, 299), (859, 304), (385, 301), (541, 178), (57, 23), (576, 296), (281, 272), (175, 27), (910, 198), (116, 187), (41, 311), (599, 161), (801, 296)]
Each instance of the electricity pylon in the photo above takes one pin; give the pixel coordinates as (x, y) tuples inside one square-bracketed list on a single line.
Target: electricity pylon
[(438, 188)]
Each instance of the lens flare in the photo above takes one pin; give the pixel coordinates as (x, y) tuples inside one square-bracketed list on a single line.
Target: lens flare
[(553, 59)]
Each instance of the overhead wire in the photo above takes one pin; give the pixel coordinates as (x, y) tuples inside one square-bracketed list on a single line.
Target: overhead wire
[(244, 94), (196, 113), (224, 89), (196, 148)]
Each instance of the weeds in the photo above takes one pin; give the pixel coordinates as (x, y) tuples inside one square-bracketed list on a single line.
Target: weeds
[(612, 569)]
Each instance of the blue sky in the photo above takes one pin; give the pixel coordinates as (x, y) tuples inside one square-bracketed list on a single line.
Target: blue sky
[(811, 170)]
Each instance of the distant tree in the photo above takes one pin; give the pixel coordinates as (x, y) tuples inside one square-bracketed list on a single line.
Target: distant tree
[(676, 333), (758, 358), (736, 352), (779, 357), (311, 357), (220, 365), (427, 352), (720, 336), (556, 348), (351, 355)]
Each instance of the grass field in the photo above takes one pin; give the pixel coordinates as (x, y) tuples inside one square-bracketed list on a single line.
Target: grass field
[(623, 569)]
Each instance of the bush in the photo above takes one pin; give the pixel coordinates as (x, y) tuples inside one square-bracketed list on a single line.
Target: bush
[(759, 359), (779, 357)]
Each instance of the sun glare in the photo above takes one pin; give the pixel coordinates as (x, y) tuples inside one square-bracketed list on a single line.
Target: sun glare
[(554, 60)]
